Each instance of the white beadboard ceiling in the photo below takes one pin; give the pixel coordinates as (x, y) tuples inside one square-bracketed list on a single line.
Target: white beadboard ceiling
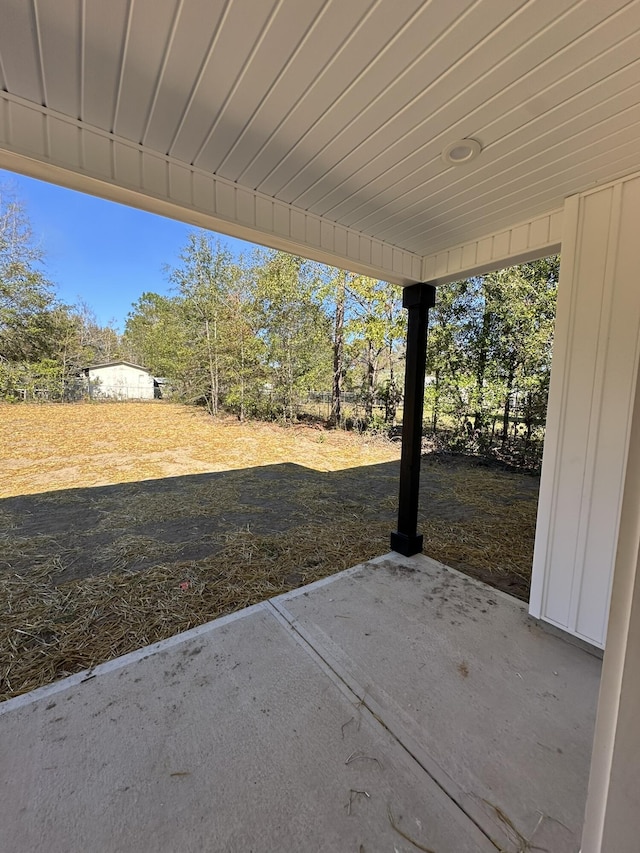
[(341, 108)]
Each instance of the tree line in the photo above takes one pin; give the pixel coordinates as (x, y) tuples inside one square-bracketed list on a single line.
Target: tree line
[(489, 359), (258, 336)]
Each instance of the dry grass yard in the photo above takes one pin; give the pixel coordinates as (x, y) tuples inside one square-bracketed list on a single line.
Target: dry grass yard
[(122, 524)]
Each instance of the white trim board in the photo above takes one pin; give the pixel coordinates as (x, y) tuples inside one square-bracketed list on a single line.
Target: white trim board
[(40, 143), (526, 241)]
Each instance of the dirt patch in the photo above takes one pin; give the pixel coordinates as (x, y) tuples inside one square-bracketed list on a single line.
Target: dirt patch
[(91, 571)]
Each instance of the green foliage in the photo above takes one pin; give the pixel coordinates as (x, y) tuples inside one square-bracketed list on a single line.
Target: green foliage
[(367, 343), (155, 337), (294, 329), (244, 355), (26, 296), (489, 356)]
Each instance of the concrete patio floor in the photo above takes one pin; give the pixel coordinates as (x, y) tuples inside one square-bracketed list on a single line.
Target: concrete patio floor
[(397, 702)]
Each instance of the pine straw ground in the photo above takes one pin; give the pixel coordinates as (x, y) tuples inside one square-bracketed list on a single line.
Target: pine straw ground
[(123, 524)]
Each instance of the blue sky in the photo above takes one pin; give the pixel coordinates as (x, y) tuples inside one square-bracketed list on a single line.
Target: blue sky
[(101, 252)]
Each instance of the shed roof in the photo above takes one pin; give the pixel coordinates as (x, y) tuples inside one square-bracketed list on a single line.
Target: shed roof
[(319, 127), (115, 364)]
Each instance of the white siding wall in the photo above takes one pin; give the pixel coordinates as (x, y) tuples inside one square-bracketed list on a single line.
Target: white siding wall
[(588, 424), (612, 822), (122, 382)]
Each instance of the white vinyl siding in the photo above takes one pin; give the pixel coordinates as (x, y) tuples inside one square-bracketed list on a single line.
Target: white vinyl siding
[(121, 382), (594, 373)]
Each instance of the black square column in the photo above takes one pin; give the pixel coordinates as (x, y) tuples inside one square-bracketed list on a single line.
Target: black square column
[(417, 299)]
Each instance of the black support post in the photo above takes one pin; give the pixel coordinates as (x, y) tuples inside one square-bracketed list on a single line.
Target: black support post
[(417, 299)]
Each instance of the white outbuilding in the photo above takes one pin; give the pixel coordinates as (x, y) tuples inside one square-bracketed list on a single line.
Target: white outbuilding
[(119, 380)]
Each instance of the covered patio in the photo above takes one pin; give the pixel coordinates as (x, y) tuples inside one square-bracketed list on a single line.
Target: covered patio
[(397, 706), (417, 142)]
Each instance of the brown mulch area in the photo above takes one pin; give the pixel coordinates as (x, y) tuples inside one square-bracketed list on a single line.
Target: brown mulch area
[(89, 571)]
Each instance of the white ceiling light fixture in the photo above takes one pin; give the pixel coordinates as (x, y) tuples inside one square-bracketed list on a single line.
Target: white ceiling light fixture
[(461, 151)]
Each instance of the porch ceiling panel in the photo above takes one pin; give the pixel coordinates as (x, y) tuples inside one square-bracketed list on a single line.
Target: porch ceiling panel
[(341, 110)]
